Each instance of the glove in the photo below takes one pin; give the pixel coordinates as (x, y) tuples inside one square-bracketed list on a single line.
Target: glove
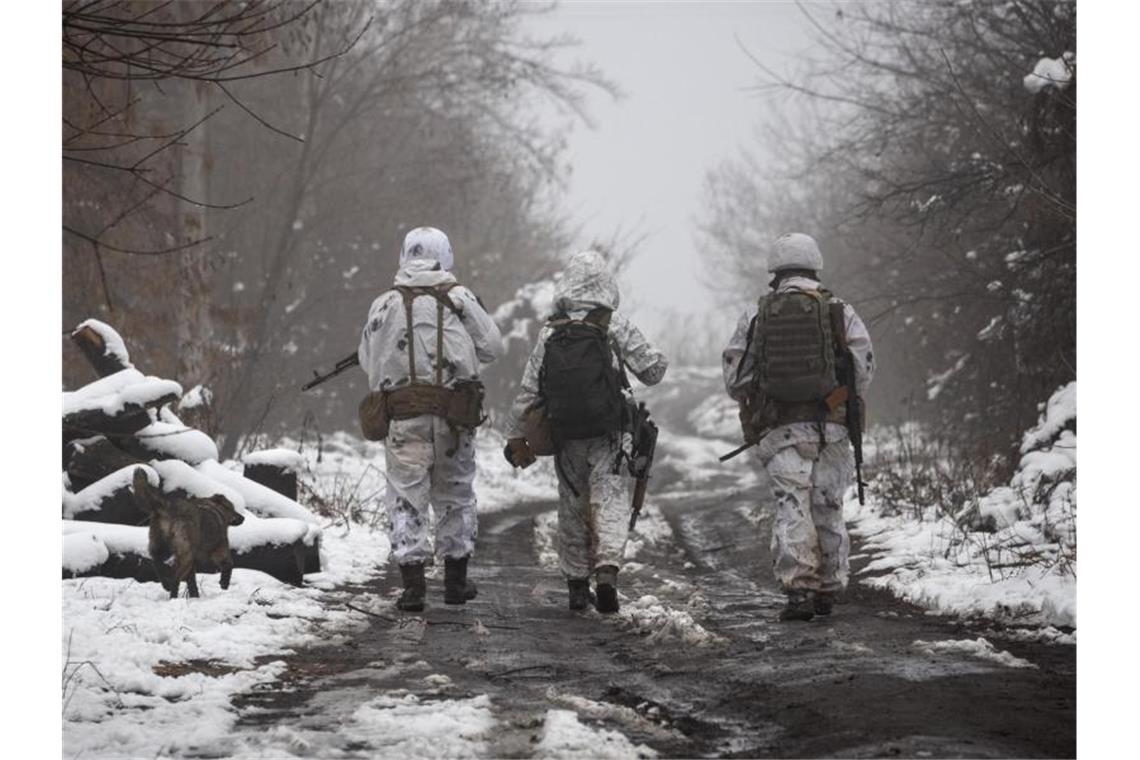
[(518, 453)]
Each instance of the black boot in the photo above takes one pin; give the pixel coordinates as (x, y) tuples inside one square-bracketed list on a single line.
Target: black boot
[(412, 600), (579, 593), (800, 606), (607, 589), (824, 600), (456, 588)]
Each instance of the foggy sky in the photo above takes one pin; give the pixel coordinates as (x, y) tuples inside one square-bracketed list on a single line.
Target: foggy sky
[(686, 108)]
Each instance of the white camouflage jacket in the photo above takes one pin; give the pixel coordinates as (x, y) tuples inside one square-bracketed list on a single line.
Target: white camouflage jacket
[(737, 378), (585, 285), (470, 338)]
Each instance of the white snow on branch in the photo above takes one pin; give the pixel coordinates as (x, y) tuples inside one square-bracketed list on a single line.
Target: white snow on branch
[(1051, 72), (936, 383), (197, 396)]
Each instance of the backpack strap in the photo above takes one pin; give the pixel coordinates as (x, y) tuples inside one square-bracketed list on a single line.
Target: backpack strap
[(442, 296), (749, 339), (409, 298), (835, 310)]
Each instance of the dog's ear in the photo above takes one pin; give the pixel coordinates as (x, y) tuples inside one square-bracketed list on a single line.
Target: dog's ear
[(227, 509), (143, 490)]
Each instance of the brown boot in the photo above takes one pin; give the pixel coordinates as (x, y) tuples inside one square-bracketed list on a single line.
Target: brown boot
[(412, 600)]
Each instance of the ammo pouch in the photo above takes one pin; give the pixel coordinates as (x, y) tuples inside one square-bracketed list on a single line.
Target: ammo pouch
[(536, 429), (461, 406), (373, 412)]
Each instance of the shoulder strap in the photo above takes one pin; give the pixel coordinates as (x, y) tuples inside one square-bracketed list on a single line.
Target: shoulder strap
[(750, 338), (442, 296), (835, 310), (409, 297)]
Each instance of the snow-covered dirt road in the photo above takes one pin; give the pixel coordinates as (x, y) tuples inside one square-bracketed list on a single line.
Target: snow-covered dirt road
[(694, 665)]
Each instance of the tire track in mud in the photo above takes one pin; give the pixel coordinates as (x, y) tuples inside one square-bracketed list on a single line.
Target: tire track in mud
[(850, 685)]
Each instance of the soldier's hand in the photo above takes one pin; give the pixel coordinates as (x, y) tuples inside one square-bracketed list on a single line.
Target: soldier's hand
[(518, 453)]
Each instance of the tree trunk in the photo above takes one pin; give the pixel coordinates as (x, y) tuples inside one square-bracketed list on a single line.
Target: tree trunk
[(194, 324)]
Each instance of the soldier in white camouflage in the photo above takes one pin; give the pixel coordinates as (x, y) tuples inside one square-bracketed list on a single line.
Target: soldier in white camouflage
[(594, 502), (429, 460), (803, 446)]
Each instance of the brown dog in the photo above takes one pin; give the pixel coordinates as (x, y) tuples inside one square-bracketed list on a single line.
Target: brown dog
[(193, 530)]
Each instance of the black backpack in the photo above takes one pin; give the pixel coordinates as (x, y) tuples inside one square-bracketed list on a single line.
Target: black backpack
[(579, 384)]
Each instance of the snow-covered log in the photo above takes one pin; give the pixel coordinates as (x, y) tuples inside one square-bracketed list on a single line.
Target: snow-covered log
[(267, 503), (102, 347), (88, 460), (115, 405), (276, 469), (109, 499), (276, 547), (166, 437)]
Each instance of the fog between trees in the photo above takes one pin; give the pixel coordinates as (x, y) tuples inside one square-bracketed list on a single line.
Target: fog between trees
[(938, 172), (237, 182)]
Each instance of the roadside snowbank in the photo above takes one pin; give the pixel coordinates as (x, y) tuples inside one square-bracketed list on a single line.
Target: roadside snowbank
[(1011, 558)]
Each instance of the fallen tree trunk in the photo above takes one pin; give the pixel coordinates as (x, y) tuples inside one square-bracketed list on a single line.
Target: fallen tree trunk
[(124, 554), (133, 418), (101, 346), (88, 460)]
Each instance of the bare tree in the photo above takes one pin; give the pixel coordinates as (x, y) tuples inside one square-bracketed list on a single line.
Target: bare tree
[(939, 168)]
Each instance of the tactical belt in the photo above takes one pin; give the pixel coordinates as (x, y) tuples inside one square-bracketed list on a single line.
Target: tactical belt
[(461, 406)]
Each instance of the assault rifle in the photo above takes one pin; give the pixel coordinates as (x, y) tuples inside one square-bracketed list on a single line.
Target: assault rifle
[(845, 369), (644, 434), (347, 362)]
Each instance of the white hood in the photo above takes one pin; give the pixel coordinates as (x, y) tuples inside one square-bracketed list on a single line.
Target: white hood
[(586, 281), (422, 273), (427, 244)]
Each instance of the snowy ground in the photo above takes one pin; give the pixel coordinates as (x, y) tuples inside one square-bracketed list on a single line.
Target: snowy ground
[(1009, 557), (147, 676)]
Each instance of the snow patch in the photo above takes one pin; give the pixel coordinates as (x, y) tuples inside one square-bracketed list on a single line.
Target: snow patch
[(564, 736), (407, 727), (979, 647), (658, 621), (286, 459)]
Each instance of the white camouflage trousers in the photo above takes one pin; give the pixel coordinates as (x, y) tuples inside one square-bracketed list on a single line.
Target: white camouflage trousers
[(594, 523), (809, 538), (429, 464)]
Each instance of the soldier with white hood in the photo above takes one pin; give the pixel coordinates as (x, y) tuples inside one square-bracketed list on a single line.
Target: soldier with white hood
[(781, 365), (576, 375), (422, 347)]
